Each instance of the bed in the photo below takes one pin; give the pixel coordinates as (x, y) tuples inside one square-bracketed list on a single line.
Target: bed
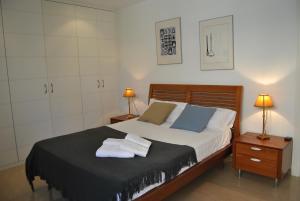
[(205, 95)]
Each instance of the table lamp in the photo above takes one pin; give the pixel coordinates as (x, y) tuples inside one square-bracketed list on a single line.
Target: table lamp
[(263, 101), (129, 93)]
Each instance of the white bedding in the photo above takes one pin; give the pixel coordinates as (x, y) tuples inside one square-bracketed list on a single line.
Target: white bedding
[(205, 143)]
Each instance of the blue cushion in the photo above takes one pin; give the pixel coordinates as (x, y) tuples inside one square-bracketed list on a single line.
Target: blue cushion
[(194, 118)]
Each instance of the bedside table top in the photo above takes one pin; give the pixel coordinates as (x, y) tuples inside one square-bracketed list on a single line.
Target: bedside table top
[(124, 117), (275, 142)]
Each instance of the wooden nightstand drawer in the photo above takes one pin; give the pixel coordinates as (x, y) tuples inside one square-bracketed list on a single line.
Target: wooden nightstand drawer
[(257, 165), (272, 157), (257, 151)]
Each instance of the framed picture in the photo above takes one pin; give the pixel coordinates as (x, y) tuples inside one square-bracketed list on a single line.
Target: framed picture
[(168, 41), (216, 43)]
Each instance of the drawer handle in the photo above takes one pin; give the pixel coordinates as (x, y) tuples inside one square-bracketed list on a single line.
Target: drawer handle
[(255, 160), (255, 149)]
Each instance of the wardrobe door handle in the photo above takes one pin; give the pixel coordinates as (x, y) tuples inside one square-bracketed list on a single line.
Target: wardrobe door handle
[(46, 89), (52, 88), (102, 83), (98, 81)]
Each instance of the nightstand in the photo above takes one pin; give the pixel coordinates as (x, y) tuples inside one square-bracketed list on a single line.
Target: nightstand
[(271, 158), (122, 118)]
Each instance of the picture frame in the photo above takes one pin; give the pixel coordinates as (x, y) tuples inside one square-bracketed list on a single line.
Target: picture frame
[(168, 41), (216, 44)]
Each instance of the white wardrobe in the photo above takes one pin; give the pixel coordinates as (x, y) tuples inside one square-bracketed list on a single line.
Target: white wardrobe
[(62, 67)]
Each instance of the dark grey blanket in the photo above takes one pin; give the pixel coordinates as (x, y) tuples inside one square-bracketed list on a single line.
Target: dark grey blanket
[(68, 163)]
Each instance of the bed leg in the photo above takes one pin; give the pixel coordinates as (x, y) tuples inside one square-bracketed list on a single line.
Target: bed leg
[(49, 187)]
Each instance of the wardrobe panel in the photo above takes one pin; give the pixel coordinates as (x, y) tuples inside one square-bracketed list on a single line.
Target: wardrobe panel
[(89, 66), (65, 87), (22, 22), (108, 48), (60, 46), (92, 102), (107, 30), (91, 84), (7, 138), (87, 47), (5, 116), (93, 110), (62, 67), (31, 112), (28, 90), (106, 16), (33, 6), (4, 92), (67, 125), (66, 106), (85, 13), (26, 68), (3, 69), (24, 45), (28, 134), (109, 66), (93, 119), (59, 25), (111, 83), (110, 104), (58, 9), (8, 151), (86, 28), (2, 50)]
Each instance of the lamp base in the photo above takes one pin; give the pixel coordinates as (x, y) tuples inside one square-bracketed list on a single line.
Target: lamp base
[(263, 137), (129, 116)]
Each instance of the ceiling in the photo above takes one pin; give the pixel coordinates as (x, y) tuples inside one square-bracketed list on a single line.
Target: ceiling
[(102, 4)]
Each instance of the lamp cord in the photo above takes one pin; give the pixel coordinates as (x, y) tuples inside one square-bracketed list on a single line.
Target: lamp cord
[(135, 108)]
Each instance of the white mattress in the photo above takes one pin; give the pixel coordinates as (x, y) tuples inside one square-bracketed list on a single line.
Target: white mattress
[(205, 143)]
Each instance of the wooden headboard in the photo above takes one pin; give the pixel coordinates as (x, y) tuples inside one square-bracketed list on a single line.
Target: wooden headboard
[(205, 95)]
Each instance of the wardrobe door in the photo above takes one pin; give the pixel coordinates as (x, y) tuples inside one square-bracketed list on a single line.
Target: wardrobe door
[(109, 64), (90, 68), (27, 73), (63, 67), (8, 152)]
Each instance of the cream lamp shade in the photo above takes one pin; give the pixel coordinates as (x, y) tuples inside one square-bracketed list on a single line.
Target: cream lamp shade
[(129, 92), (263, 101)]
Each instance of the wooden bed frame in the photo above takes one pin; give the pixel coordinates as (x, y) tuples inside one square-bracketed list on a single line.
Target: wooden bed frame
[(205, 95)]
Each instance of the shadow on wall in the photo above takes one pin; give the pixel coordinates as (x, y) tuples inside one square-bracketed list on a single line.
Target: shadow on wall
[(280, 117)]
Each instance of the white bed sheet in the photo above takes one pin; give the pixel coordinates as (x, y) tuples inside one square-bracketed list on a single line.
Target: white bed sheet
[(205, 143)]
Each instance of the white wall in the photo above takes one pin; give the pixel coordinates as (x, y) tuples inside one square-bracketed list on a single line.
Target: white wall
[(264, 46)]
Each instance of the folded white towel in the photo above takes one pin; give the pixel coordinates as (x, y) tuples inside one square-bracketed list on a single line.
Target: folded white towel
[(113, 151), (113, 141), (139, 140), (124, 148), (135, 148)]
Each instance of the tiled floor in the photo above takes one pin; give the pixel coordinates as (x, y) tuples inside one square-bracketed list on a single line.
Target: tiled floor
[(218, 184)]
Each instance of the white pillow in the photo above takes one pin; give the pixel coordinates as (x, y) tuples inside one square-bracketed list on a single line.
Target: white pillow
[(175, 113), (222, 119)]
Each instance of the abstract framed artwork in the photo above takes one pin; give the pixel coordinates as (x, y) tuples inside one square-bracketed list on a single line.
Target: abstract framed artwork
[(216, 44), (168, 41)]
